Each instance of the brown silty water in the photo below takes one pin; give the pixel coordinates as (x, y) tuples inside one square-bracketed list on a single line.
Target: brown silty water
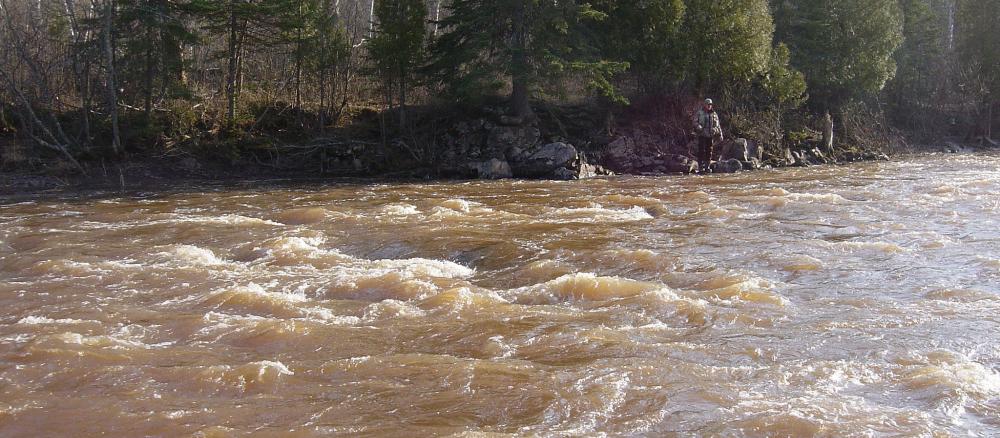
[(838, 301)]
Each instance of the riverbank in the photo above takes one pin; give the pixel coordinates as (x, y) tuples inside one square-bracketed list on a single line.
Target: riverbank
[(564, 143), (152, 175)]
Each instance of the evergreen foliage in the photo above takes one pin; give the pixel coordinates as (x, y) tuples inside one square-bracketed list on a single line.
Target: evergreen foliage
[(531, 42), (645, 35), (978, 44), (397, 48), (844, 47), (725, 41)]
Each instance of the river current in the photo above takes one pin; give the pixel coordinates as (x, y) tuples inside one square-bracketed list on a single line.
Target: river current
[(858, 300)]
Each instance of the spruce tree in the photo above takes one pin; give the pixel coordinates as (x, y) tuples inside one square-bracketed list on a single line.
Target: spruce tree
[(153, 34), (978, 46), (644, 34), (725, 41), (844, 47), (397, 47), (528, 42)]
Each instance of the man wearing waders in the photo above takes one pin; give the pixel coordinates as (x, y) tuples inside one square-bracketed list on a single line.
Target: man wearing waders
[(708, 129)]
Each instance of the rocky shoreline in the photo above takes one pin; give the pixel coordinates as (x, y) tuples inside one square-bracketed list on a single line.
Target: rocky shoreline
[(477, 149)]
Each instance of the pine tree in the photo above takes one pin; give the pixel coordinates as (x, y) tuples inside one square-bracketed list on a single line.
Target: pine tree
[(153, 34), (243, 23), (726, 41), (325, 52), (397, 47), (978, 46), (844, 47), (923, 72), (644, 34), (486, 42)]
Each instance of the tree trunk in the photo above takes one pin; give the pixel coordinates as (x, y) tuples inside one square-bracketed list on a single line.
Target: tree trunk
[(402, 101), (322, 101), (989, 121), (371, 21), (298, 63), (112, 87), (81, 71), (828, 133), (520, 105), (233, 60), (437, 17), (148, 80)]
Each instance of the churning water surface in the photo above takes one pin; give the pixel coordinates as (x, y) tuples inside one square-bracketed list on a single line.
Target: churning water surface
[(859, 300)]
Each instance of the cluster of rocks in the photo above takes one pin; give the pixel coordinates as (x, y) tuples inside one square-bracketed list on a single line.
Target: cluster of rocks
[(559, 161), (626, 154), (510, 149), (804, 157), (738, 155), (499, 147)]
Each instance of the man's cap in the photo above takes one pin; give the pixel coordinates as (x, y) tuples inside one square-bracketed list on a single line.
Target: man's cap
[(708, 102)]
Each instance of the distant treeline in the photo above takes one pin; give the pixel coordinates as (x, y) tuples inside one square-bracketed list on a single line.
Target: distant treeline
[(88, 78)]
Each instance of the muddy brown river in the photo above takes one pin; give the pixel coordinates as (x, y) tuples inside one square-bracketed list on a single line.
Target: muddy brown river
[(860, 300)]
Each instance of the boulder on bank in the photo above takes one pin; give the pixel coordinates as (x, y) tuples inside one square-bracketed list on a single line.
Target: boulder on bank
[(623, 155), (738, 149), (558, 160), (493, 169), (789, 158), (544, 161), (502, 138), (743, 150), (676, 164), (731, 165), (753, 164)]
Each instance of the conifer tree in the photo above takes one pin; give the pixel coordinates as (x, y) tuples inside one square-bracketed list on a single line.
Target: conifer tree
[(397, 47), (725, 41), (844, 47), (153, 34), (644, 34), (486, 42), (978, 46)]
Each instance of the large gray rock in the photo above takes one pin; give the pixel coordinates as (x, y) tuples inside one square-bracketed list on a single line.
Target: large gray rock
[(789, 158), (731, 165), (801, 159), (755, 150), (677, 164), (555, 154), (816, 156), (543, 162), (564, 174), (501, 139), (738, 149), (753, 164), (494, 169)]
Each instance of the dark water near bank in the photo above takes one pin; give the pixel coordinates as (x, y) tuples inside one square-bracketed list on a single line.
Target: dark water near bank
[(837, 301)]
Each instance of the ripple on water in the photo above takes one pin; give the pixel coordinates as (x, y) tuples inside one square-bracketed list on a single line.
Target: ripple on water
[(942, 375), (584, 286), (254, 378), (303, 216), (597, 214)]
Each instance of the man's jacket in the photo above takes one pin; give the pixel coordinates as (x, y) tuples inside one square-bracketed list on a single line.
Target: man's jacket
[(707, 124)]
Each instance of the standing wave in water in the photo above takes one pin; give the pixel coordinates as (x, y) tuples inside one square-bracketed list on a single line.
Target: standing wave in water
[(838, 301)]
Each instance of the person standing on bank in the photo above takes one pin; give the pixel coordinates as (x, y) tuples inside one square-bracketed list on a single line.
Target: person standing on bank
[(709, 130)]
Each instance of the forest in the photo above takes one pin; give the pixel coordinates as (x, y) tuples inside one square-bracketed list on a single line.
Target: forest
[(321, 85)]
